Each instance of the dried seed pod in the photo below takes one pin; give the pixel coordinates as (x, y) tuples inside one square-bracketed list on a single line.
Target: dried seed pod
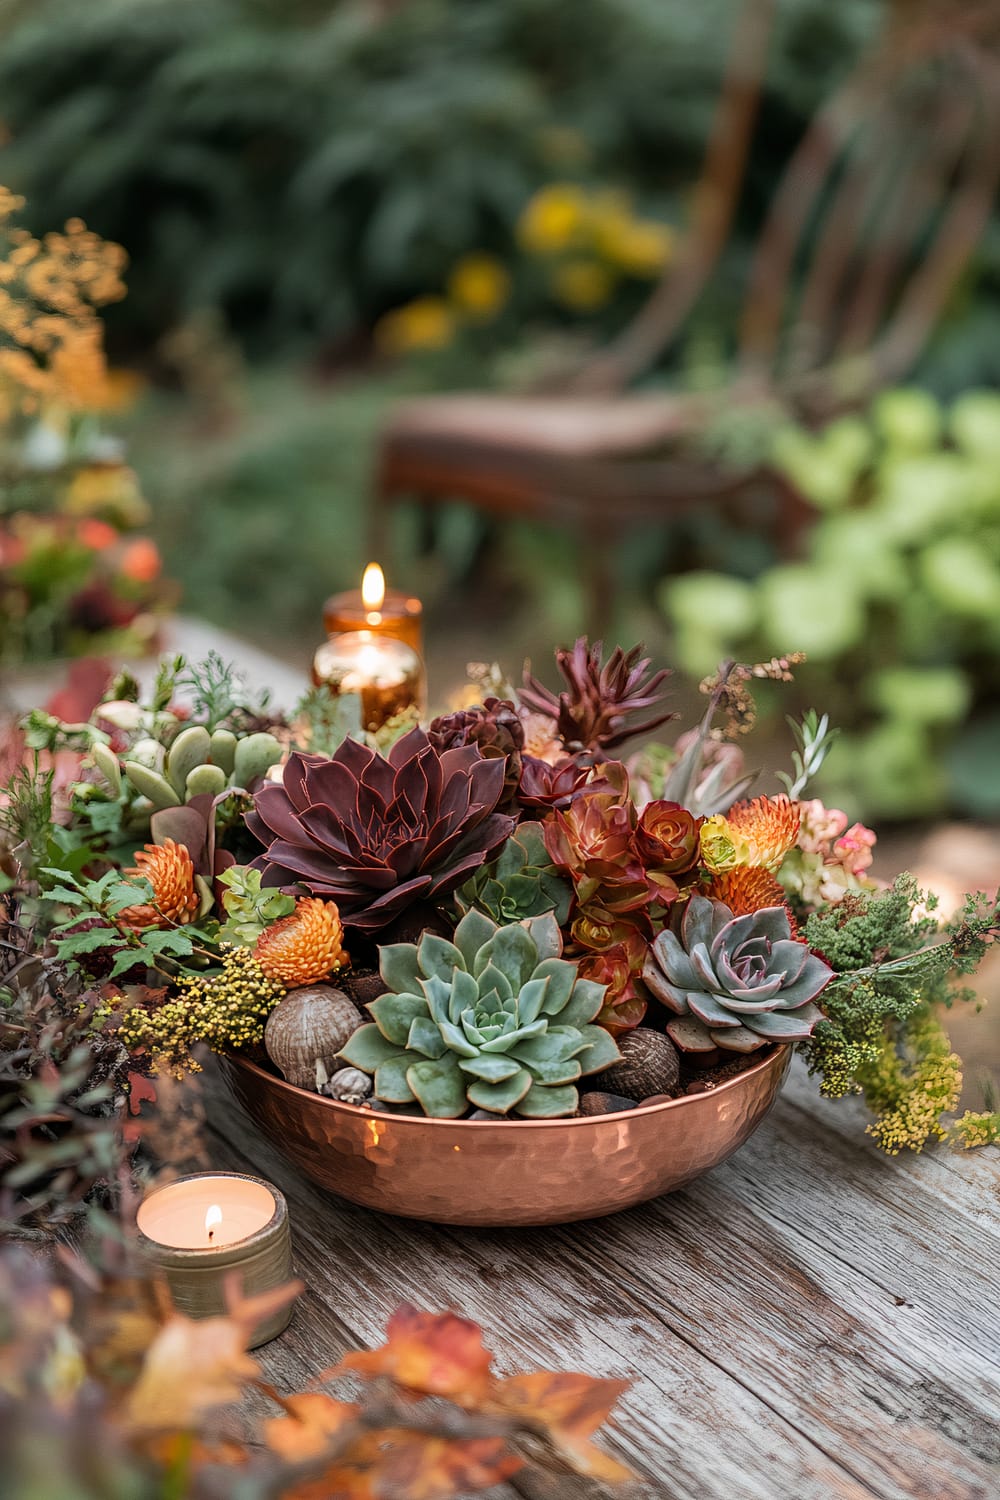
[(649, 1065), (349, 1085), (310, 1026), (605, 1104)]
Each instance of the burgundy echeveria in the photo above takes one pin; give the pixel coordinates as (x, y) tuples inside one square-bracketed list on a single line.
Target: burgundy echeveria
[(376, 834), (495, 726), (667, 837), (544, 786)]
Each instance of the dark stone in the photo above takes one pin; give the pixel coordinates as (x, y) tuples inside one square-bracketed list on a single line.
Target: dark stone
[(649, 1065), (605, 1104)]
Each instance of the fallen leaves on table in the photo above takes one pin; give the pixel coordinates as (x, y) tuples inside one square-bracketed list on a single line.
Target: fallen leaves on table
[(155, 1392), (439, 1354)]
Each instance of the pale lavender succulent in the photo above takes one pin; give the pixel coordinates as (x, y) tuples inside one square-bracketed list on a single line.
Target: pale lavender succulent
[(739, 982)]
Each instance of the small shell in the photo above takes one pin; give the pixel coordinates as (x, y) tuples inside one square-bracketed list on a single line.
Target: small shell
[(349, 1085), (309, 1027), (649, 1065)]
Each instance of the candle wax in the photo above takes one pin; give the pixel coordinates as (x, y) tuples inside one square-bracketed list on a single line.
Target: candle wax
[(176, 1215)]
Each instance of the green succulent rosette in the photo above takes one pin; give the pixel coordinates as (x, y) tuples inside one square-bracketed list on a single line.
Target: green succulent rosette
[(496, 1020), (521, 882)]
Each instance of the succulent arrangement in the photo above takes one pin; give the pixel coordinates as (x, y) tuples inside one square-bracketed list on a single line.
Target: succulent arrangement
[(490, 919)]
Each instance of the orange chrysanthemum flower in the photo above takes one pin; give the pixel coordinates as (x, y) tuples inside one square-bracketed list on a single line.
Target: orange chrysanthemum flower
[(170, 872), (304, 947), (747, 889), (769, 824)]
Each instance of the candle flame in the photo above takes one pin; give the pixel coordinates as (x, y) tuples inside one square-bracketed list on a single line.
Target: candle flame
[(213, 1217), (373, 588)]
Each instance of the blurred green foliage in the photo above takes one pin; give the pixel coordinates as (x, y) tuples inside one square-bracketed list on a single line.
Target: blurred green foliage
[(896, 602), (306, 166)]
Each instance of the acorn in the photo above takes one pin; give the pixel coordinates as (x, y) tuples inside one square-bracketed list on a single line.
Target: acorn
[(307, 1029), (605, 1104), (649, 1065)]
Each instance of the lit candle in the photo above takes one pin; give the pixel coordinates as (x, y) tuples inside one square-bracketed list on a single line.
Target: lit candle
[(386, 674), (200, 1228), (385, 612)]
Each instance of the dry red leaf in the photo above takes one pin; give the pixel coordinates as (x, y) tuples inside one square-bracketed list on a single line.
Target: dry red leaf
[(566, 1409), (439, 1354)]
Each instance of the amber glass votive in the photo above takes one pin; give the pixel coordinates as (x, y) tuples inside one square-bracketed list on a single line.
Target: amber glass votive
[(383, 611), (200, 1228), (386, 673)]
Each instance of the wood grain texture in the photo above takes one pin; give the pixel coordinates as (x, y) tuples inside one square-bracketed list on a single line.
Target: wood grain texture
[(811, 1321)]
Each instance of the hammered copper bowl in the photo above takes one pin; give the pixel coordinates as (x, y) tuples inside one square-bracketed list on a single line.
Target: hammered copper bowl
[(530, 1172)]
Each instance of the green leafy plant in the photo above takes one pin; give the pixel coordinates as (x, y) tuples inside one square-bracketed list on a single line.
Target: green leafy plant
[(896, 601), (92, 935), (249, 909), (496, 1020)]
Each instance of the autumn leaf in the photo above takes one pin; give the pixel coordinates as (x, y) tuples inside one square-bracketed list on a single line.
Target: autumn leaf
[(397, 1464), (190, 1368), (311, 1420), (439, 1354), (139, 1088), (566, 1409)]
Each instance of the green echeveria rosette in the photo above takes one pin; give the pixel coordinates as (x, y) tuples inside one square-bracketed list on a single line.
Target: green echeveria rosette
[(738, 981), (496, 1020), (522, 882)]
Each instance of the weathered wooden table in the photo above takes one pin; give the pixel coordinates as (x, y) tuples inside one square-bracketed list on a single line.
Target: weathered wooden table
[(811, 1321)]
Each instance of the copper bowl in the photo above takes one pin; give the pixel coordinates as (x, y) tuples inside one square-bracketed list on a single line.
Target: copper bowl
[(528, 1172)]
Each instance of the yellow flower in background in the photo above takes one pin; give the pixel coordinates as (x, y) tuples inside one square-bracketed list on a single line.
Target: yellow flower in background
[(553, 219), (583, 285), (479, 285), (425, 323), (640, 247)]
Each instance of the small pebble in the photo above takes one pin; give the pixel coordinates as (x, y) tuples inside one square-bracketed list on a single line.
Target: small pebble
[(658, 1099), (700, 1086), (485, 1114), (605, 1104)]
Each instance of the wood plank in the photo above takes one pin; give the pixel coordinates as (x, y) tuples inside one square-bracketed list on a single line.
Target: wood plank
[(713, 1371)]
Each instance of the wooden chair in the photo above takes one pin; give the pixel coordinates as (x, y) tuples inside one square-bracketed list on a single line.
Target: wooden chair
[(878, 214)]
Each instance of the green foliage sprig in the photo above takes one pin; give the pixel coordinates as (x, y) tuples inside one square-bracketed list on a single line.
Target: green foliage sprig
[(93, 931), (880, 1036), (814, 739)]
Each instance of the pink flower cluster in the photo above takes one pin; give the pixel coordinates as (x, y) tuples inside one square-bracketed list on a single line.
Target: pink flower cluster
[(823, 830)]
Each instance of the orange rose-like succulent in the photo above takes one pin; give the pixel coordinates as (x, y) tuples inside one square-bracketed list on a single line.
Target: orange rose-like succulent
[(305, 947), (169, 869)]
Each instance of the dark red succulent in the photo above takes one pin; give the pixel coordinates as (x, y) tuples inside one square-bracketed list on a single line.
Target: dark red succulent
[(594, 842), (667, 837), (604, 703), (544, 786), (377, 834), (495, 726)]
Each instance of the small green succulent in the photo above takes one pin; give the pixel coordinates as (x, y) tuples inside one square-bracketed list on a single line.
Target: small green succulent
[(199, 762), (495, 1020), (521, 882)]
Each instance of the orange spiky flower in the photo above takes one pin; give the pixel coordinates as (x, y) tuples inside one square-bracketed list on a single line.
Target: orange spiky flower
[(170, 872), (304, 947), (769, 824), (750, 888)]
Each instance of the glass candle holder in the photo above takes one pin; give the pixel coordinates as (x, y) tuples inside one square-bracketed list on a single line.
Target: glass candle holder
[(201, 1227), (387, 675), (383, 611)]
